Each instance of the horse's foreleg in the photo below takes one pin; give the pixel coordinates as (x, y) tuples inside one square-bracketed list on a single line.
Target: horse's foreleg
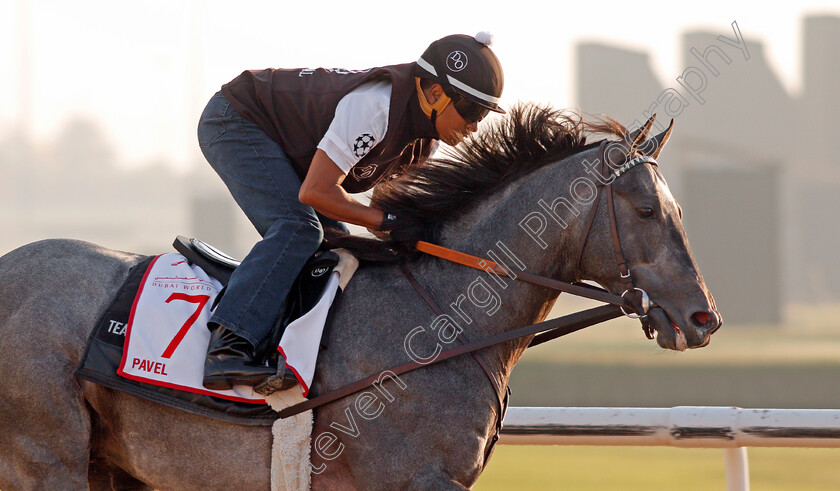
[(105, 477)]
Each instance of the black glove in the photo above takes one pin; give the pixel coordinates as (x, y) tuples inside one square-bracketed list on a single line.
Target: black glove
[(402, 228)]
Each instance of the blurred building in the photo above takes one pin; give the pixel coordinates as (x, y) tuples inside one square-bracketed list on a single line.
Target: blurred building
[(614, 81), (733, 238), (756, 169), (730, 154), (819, 104), (814, 182)]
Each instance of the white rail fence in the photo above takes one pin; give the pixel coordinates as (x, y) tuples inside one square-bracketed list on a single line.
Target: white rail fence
[(730, 428)]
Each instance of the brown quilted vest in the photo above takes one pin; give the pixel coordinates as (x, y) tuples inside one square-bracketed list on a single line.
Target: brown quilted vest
[(296, 106)]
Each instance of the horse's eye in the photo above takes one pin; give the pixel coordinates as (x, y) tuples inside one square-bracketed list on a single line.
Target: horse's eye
[(645, 212)]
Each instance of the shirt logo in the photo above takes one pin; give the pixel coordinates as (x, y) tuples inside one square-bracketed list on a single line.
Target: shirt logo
[(457, 61), (360, 173), (363, 144)]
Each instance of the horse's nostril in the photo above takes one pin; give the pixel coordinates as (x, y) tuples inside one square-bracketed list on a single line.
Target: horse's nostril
[(700, 319)]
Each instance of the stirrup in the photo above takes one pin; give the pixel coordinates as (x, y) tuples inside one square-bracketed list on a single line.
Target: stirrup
[(283, 380)]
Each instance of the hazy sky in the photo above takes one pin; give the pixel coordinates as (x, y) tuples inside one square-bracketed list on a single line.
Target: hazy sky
[(144, 70)]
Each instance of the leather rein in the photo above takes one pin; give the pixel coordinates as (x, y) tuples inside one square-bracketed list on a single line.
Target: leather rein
[(633, 298)]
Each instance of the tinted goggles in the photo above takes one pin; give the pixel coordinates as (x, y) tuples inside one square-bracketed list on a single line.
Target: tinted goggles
[(470, 111)]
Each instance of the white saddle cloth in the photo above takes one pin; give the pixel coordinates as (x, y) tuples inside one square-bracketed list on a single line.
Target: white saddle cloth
[(167, 336)]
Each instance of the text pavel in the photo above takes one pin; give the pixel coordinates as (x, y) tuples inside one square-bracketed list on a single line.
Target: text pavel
[(149, 366)]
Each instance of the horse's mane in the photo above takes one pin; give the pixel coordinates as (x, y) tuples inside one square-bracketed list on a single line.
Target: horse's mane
[(442, 189)]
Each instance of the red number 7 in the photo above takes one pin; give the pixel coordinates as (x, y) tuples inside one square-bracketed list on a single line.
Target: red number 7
[(201, 300)]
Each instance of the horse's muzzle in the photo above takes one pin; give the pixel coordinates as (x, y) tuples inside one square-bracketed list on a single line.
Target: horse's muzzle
[(693, 332)]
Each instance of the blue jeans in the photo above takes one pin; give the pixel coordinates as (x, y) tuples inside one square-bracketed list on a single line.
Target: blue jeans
[(262, 180)]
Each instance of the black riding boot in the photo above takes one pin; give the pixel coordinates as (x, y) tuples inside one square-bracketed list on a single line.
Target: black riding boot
[(230, 361)]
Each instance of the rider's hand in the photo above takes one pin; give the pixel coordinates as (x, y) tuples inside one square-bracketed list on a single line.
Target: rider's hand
[(402, 228)]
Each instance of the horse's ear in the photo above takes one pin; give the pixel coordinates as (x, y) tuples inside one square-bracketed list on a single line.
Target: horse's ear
[(661, 139), (638, 137)]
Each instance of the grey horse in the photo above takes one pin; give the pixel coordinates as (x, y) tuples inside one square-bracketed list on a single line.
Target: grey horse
[(518, 192)]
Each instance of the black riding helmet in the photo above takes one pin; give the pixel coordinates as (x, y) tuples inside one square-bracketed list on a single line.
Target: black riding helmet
[(468, 71)]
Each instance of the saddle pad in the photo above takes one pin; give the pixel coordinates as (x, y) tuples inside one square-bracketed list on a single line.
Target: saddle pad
[(301, 340), (104, 354), (166, 336)]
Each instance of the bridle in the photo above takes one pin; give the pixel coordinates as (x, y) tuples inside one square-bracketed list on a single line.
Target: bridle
[(623, 270), (633, 298)]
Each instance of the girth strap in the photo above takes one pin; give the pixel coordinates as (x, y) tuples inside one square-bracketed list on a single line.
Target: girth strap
[(502, 395), (461, 337)]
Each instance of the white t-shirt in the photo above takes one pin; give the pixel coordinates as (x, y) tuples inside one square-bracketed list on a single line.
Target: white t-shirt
[(360, 123)]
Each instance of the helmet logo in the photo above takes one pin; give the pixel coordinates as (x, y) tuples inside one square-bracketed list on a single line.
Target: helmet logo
[(456, 61)]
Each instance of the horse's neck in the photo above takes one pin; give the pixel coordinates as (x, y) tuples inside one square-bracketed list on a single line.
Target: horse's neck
[(484, 304)]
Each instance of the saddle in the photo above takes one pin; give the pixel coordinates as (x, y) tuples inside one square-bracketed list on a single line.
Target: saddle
[(306, 290), (213, 261)]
